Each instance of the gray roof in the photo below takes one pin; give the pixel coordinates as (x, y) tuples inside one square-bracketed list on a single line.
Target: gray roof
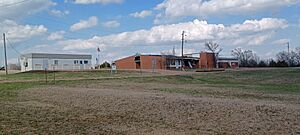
[(228, 58), (57, 56)]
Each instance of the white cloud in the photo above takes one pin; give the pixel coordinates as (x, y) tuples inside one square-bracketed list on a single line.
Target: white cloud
[(56, 35), (141, 14), (59, 13), (97, 1), (83, 24), (180, 8), (299, 22), (16, 32), (111, 24), (260, 25), (164, 37), (257, 39), (281, 41), (255, 31), (9, 10), (79, 44)]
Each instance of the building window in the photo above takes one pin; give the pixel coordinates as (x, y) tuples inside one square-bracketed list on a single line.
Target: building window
[(86, 62), (55, 62), (75, 61), (25, 64), (81, 62)]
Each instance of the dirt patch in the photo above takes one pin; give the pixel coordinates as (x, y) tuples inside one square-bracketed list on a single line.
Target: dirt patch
[(63, 110)]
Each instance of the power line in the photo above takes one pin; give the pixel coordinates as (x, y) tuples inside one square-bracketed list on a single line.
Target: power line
[(65, 23), (14, 3), (10, 44), (79, 33), (52, 28)]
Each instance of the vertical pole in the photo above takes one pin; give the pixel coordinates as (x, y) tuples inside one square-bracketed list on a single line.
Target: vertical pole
[(288, 45), (54, 74), (182, 42), (98, 62), (5, 56), (46, 77)]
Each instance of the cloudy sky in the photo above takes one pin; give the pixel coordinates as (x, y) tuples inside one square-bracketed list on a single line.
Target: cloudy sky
[(126, 27)]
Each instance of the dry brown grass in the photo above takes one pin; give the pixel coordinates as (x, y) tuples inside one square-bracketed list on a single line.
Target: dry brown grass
[(158, 105), (141, 109)]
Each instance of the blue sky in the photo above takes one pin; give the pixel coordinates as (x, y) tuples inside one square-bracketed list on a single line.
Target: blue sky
[(125, 27)]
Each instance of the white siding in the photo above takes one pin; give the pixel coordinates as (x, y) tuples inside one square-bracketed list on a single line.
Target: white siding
[(63, 64)]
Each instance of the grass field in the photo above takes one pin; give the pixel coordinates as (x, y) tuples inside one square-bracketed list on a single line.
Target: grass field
[(252, 101)]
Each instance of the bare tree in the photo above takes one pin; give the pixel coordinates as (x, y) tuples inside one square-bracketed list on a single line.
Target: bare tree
[(246, 57), (292, 58), (297, 51), (213, 47)]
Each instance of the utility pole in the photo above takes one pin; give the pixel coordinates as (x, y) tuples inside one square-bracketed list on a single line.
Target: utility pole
[(182, 43), (288, 45), (5, 56)]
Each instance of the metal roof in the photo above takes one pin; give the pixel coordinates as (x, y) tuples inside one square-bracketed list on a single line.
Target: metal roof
[(163, 56), (228, 58), (57, 56)]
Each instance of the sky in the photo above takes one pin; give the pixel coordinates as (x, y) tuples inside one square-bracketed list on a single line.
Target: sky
[(123, 28)]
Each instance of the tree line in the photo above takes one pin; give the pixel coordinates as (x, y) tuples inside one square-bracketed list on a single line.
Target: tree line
[(248, 58)]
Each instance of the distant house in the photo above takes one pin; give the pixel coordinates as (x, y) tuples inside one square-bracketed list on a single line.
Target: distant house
[(44, 61)]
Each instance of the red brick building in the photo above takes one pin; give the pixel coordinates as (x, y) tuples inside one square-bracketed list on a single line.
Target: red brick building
[(156, 62), (141, 62), (209, 61), (227, 62), (205, 61)]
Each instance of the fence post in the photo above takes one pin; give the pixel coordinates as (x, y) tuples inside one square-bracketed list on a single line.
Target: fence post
[(54, 74), (46, 76)]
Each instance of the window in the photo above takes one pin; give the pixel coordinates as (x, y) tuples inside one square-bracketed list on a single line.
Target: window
[(81, 62), (55, 62), (25, 64), (75, 61), (86, 62)]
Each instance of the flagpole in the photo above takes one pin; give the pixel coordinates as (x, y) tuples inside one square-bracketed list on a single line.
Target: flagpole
[(98, 60)]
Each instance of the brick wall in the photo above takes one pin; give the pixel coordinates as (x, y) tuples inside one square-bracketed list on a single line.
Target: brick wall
[(207, 60), (147, 62), (126, 63)]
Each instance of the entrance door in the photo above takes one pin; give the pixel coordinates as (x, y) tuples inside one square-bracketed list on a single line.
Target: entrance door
[(81, 64), (45, 64), (138, 65)]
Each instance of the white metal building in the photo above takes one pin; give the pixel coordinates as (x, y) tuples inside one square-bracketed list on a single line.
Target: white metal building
[(42, 61)]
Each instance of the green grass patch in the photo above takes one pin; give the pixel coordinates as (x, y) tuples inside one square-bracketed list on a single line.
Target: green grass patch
[(67, 75), (286, 80), (273, 80), (9, 91)]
